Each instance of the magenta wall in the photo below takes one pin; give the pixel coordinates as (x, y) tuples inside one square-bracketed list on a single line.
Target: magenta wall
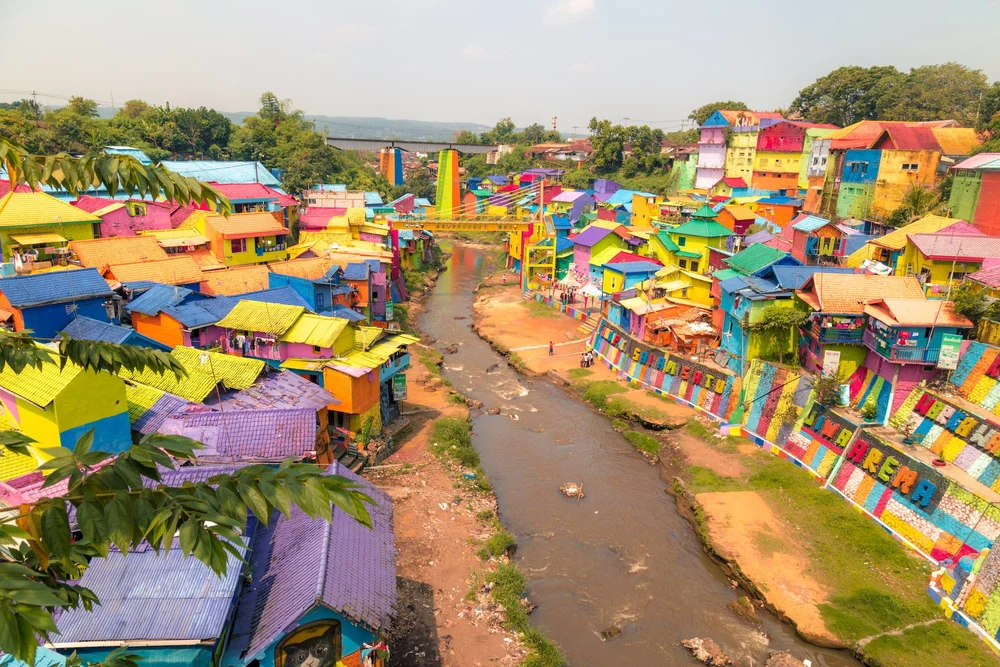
[(303, 351), (783, 137), (120, 223), (581, 255)]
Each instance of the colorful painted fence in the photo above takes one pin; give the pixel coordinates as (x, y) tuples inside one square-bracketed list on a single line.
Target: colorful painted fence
[(771, 392), (979, 595), (711, 390), (969, 441), (821, 439), (575, 313), (977, 374)]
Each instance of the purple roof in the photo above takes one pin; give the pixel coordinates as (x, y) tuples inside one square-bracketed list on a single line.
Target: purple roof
[(298, 562), (150, 596), (590, 236), (283, 389), (152, 419), (244, 435), (763, 236)]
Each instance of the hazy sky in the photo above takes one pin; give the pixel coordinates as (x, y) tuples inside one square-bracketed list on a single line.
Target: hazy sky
[(472, 60)]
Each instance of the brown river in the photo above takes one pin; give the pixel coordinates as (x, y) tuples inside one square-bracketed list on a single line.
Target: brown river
[(622, 557)]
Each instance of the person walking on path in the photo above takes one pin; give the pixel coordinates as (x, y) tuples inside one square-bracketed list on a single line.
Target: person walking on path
[(552, 349)]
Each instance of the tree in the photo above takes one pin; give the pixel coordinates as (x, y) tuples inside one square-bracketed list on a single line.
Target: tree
[(114, 172), (937, 92), (465, 137), (847, 95), (533, 134), (578, 179), (971, 302), (82, 107), (502, 133), (607, 143), (701, 114), (30, 109), (133, 108), (780, 324), (917, 202)]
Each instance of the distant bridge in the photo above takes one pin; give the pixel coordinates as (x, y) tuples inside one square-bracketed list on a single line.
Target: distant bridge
[(376, 145), (464, 223)]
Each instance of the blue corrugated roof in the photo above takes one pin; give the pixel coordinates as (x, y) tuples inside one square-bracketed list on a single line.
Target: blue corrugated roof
[(43, 658), (223, 172), (633, 267), (158, 297), (732, 284), (499, 180), (54, 287), (561, 222), (356, 271), (781, 200), (85, 328), (422, 201), (192, 309), (620, 198), (373, 199), (792, 277), (137, 153), (344, 313), (563, 244), (153, 597), (810, 223), (284, 295), (853, 242)]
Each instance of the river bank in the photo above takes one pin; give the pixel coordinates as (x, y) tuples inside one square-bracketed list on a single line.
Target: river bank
[(801, 552)]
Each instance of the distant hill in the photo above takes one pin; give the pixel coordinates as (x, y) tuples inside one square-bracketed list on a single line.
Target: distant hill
[(362, 127)]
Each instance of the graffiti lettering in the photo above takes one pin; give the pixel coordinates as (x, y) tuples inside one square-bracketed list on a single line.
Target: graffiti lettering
[(904, 480), (872, 460), (857, 452), (923, 493), (885, 473)]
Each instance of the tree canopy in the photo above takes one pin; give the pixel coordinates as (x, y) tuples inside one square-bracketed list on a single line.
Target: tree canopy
[(701, 114), (949, 91)]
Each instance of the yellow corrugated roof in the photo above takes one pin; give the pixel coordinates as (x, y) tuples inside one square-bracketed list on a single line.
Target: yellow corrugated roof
[(23, 209), (299, 248), (896, 239), (311, 268), (315, 330), (305, 364), (245, 225), (272, 318), (140, 399), (365, 336), (605, 256), (389, 346), (204, 371), (110, 208), (15, 465), (956, 140), (37, 239), (605, 224), (39, 386)]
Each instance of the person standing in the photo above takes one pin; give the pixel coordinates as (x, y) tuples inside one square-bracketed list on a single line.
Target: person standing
[(552, 349)]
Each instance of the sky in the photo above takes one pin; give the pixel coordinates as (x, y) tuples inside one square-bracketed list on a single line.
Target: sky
[(634, 61)]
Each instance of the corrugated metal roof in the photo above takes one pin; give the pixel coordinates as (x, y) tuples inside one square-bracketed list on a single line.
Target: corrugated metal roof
[(137, 153), (24, 209), (810, 223), (86, 328), (345, 313), (148, 597), (261, 317), (175, 270), (300, 561), (848, 294), (982, 161), (633, 267), (963, 247), (754, 258), (54, 287), (701, 228), (312, 268), (235, 280), (246, 225), (248, 435), (205, 370), (315, 330), (916, 313), (283, 389), (223, 172), (896, 239)]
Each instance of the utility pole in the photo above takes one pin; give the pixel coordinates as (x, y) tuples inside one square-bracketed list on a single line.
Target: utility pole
[(554, 119)]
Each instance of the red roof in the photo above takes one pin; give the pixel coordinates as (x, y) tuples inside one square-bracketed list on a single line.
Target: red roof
[(718, 198), (734, 181), (5, 188), (906, 138), (91, 204), (508, 188), (254, 191), (989, 277), (960, 247), (632, 257)]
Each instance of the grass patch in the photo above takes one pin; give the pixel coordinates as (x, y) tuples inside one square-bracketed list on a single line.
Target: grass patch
[(579, 373), (539, 309), (485, 515), (769, 544), (597, 393), (943, 643), (643, 442), (501, 544), (706, 480), (619, 424), (457, 399), (697, 429), (622, 407), (864, 611), (509, 586), (451, 437)]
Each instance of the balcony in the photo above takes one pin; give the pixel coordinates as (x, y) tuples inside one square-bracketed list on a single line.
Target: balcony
[(838, 336), (902, 354)]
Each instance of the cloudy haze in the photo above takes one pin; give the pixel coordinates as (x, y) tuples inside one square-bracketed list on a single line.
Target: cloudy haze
[(470, 60)]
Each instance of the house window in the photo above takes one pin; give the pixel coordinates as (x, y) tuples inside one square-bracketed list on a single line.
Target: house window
[(681, 240), (694, 266), (684, 263), (864, 168), (320, 300), (763, 162), (854, 167), (911, 166), (196, 338), (316, 349), (815, 160), (824, 161), (684, 293), (238, 245)]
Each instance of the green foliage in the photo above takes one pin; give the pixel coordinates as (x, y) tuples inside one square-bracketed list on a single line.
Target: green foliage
[(452, 437), (578, 179), (932, 92), (970, 301), (643, 442), (701, 114), (782, 325), (502, 543), (865, 611), (941, 643), (608, 145), (827, 390), (597, 393), (697, 429)]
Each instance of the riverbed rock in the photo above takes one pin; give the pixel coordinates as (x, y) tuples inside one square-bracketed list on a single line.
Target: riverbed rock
[(572, 490), (460, 317), (451, 348), (783, 659), (743, 607), (434, 384), (493, 411), (612, 632), (474, 404), (706, 651)]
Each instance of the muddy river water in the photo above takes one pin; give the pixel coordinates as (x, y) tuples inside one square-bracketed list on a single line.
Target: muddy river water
[(623, 556)]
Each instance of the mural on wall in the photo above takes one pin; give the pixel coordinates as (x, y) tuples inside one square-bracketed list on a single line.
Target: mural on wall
[(868, 386), (317, 644), (939, 517), (821, 439), (772, 397), (973, 582), (969, 441), (977, 374), (708, 388)]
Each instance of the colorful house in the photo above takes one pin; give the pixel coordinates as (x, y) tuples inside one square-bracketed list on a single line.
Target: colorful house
[(712, 149), (179, 270), (620, 276), (590, 242), (126, 217), (736, 218), (975, 192), (86, 328), (176, 316), (57, 407), (816, 240), (103, 252), (731, 186), (45, 303), (257, 197), (890, 249), (778, 159), (235, 280), (254, 330), (694, 238), (741, 146), (940, 260), (317, 281), (779, 210), (246, 238), (837, 306), (645, 209), (36, 224), (911, 331)]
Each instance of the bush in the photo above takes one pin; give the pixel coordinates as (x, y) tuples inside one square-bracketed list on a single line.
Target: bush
[(643, 442), (452, 437), (597, 393), (501, 544), (509, 586)]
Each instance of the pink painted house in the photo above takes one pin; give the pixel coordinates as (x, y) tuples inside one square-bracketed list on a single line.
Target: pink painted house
[(126, 217), (291, 333)]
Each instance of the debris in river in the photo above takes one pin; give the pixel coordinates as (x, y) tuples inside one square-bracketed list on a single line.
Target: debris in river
[(493, 411), (451, 348), (706, 651), (493, 368), (572, 490), (514, 417), (460, 317), (474, 404), (610, 633), (785, 659)]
